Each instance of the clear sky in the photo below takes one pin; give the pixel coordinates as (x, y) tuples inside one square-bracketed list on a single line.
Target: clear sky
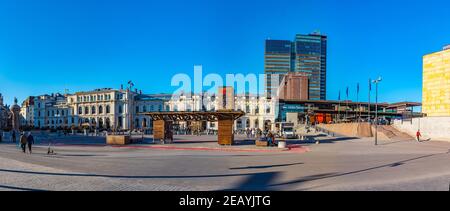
[(51, 45)]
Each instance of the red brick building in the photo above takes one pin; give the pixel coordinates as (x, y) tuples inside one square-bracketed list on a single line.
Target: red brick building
[(294, 86)]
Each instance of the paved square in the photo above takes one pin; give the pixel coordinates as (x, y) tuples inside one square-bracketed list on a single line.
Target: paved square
[(337, 163)]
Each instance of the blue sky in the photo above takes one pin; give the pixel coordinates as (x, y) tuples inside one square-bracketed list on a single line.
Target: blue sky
[(51, 45)]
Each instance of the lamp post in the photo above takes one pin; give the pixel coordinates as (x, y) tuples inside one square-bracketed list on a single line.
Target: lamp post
[(376, 82)]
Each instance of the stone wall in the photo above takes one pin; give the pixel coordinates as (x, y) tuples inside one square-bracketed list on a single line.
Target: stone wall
[(434, 128)]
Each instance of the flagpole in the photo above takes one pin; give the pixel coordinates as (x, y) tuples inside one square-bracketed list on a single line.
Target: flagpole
[(357, 100), (346, 107), (368, 107), (339, 107), (358, 113)]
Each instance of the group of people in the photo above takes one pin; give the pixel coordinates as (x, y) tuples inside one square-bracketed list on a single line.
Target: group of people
[(24, 140)]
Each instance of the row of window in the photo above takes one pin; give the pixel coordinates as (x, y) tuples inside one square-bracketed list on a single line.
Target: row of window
[(150, 108), (93, 98), (93, 110)]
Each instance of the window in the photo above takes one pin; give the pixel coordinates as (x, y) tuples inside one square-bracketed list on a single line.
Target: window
[(80, 110), (93, 110), (144, 108), (137, 109), (268, 110), (86, 110), (108, 110), (62, 112), (120, 109), (100, 109)]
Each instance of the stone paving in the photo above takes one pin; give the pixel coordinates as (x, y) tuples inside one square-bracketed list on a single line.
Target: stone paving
[(337, 163)]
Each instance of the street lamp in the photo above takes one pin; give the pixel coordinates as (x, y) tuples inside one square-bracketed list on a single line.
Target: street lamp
[(376, 82)]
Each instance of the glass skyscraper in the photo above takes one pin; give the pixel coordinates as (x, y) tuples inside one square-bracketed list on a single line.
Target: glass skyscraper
[(306, 54)]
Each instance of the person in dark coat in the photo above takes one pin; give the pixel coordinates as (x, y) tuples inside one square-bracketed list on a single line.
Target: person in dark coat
[(30, 142), (13, 136), (23, 142)]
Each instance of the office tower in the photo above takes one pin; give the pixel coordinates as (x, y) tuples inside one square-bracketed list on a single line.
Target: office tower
[(306, 54), (277, 62)]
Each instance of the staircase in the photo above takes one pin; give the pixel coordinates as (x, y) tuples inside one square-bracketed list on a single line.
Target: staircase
[(394, 134)]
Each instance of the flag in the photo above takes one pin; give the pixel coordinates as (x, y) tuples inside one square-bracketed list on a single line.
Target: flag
[(347, 92), (130, 83), (339, 97)]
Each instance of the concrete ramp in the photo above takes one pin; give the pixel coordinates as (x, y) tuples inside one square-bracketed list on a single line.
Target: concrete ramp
[(364, 129), (349, 129)]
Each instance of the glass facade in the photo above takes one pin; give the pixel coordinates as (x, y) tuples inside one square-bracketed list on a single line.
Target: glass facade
[(306, 54), (277, 62)]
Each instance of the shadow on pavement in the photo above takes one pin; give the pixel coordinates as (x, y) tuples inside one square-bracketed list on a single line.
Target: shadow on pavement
[(263, 167), (19, 188), (257, 181), (333, 175)]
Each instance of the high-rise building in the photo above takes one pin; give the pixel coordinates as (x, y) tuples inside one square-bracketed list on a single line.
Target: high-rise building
[(311, 58), (306, 54), (436, 83), (277, 62)]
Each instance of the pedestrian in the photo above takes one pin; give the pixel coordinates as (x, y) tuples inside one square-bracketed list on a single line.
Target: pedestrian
[(418, 135), (30, 141), (23, 142), (13, 136)]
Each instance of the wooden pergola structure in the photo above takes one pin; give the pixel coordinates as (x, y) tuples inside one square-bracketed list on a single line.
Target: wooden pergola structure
[(162, 122)]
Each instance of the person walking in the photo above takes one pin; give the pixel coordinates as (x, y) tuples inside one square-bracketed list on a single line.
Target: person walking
[(13, 136), (23, 142), (418, 135), (30, 141)]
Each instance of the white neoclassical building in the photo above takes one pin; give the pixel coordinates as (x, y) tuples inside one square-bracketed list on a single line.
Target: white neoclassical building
[(123, 109), (260, 112), (100, 108)]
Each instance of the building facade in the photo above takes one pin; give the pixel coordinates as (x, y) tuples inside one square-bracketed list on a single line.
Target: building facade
[(124, 109), (436, 83), (294, 86), (101, 108), (259, 111), (307, 54), (4, 114)]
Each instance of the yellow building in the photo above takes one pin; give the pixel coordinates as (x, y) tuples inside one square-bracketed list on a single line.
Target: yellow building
[(436, 83)]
